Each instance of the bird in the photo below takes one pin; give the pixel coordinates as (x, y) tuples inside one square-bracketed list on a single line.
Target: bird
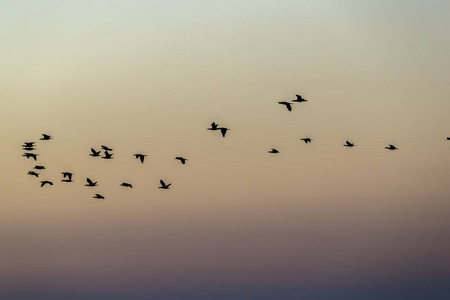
[(391, 147), (28, 144), (28, 155), (98, 196), (213, 126), (274, 151), (223, 130), (95, 153), (182, 159), (299, 99), (68, 175), (90, 183), (106, 148), (307, 140), (44, 182), (29, 148), (163, 185), (288, 105), (107, 155), (33, 173), (39, 167), (140, 156), (126, 184), (348, 144), (46, 137)]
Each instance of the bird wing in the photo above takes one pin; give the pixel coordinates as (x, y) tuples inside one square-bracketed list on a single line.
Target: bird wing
[(223, 131), (289, 107), (141, 157), (89, 181), (162, 183), (43, 183)]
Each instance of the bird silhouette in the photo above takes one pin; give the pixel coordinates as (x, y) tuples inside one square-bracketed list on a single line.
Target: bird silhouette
[(46, 137), (306, 140), (348, 144), (299, 99), (68, 175), (126, 185), (391, 147), (32, 155), (28, 144), (288, 105), (164, 186), (107, 155), (90, 183), (213, 126), (106, 148), (223, 130), (141, 157), (182, 159), (274, 151), (95, 153), (39, 168), (44, 182), (33, 173), (98, 196)]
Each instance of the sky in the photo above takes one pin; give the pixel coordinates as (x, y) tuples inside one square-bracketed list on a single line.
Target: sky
[(315, 221)]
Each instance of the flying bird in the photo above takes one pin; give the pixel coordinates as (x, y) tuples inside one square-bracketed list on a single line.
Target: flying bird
[(28, 144), (46, 137), (288, 105), (95, 153), (274, 151), (306, 140), (68, 175), (39, 167), (44, 182), (90, 183), (106, 148), (33, 173), (391, 147), (299, 99), (163, 185), (182, 159), (126, 185), (348, 144), (107, 155), (140, 156), (223, 130), (98, 196), (213, 126), (32, 155)]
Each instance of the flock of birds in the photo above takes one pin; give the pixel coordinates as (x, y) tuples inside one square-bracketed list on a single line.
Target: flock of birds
[(67, 176)]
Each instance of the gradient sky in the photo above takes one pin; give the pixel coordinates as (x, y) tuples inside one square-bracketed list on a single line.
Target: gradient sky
[(317, 221)]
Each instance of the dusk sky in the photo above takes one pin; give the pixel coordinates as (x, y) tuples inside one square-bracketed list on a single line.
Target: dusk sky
[(316, 221)]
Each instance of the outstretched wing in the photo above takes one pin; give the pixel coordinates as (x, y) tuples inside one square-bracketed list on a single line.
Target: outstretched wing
[(141, 157), (89, 181), (223, 131), (289, 107), (162, 183)]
